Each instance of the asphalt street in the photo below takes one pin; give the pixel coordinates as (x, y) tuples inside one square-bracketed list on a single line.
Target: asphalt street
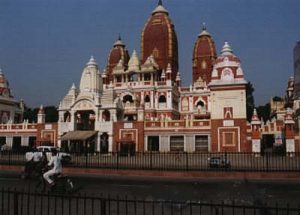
[(153, 188)]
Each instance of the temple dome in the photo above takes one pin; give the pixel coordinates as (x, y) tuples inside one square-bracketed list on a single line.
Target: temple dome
[(204, 56), (117, 53), (159, 39)]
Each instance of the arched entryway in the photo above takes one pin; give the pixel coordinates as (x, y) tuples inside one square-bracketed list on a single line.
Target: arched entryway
[(85, 120)]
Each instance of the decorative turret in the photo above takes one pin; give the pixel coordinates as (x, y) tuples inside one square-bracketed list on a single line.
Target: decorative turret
[(178, 79), (256, 133), (104, 78), (4, 86), (290, 90), (150, 65), (134, 63), (90, 79), (289, 131), (288, 118), (41, 115), (163, 76), (255, 119), (204, 56), (227, 69), (169, 72), (159, 39), (226, 50), (117, 53)]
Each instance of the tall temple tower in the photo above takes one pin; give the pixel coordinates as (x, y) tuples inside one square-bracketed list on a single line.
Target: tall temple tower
[(297, 70), (204, 57), (296, 93), (159, 40)]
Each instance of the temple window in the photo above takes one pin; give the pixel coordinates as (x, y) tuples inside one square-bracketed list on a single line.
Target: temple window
[(106, 115), (67, 117), (119, 78), (147, 77), (127, 98), (162, 101)]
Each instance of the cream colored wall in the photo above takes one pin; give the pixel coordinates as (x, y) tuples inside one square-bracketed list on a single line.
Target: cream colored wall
[(229, 98), (11, 109)]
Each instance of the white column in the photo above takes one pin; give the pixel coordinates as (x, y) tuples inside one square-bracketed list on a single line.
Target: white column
[(9, 141), (169, 100), (290, 146), (72, 123), (209, 142), (24, 141), (110, 142), (98, 142), (164, 145), (156, 100), (256, 145), (151, 99), (189, 143)]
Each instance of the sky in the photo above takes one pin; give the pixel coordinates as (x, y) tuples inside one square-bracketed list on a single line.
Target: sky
[(45, 44)]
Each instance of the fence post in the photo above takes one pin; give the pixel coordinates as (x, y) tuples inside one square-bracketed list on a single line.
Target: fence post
[(267, 161), (151, 159), (118, 160), (86, 160), (187, 160), (16, 203), (103, 206), (9, 157)]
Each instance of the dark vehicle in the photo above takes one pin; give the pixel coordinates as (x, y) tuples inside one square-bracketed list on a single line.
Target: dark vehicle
[(219, 162), (62, 184)]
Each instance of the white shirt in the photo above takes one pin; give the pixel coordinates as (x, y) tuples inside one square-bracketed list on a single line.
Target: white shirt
[(55, 160), (36, 156)]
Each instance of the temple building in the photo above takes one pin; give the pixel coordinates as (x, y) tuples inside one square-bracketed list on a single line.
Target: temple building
[(138, 102), (11, 110)]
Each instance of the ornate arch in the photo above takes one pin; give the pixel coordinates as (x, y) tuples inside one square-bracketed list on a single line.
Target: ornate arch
[(83, 104)]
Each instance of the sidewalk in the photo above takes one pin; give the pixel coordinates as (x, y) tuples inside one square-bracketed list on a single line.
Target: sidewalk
[(173, 174)]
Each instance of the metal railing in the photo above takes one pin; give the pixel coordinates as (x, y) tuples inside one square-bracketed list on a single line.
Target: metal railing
[(180, 161), (13, 202)]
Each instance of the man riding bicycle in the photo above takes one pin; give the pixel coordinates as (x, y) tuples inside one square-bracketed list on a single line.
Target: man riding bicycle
[(57, 167)]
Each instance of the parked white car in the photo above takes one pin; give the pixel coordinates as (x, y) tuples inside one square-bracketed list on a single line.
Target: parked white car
[(65, 157)]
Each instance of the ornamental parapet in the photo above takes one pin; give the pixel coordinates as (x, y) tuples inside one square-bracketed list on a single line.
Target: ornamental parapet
[(25, 126), (190, 124)]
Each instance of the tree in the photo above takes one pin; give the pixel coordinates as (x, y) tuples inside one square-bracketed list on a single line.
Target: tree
[(249, 100), (51, 114), (264, 111), (30, 114), (50, 111)]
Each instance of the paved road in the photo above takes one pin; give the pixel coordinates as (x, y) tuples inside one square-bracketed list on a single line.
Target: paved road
[(241, 191)]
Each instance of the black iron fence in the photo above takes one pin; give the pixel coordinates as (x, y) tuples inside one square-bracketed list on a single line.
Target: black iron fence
[(180, 161), (13, 202)]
